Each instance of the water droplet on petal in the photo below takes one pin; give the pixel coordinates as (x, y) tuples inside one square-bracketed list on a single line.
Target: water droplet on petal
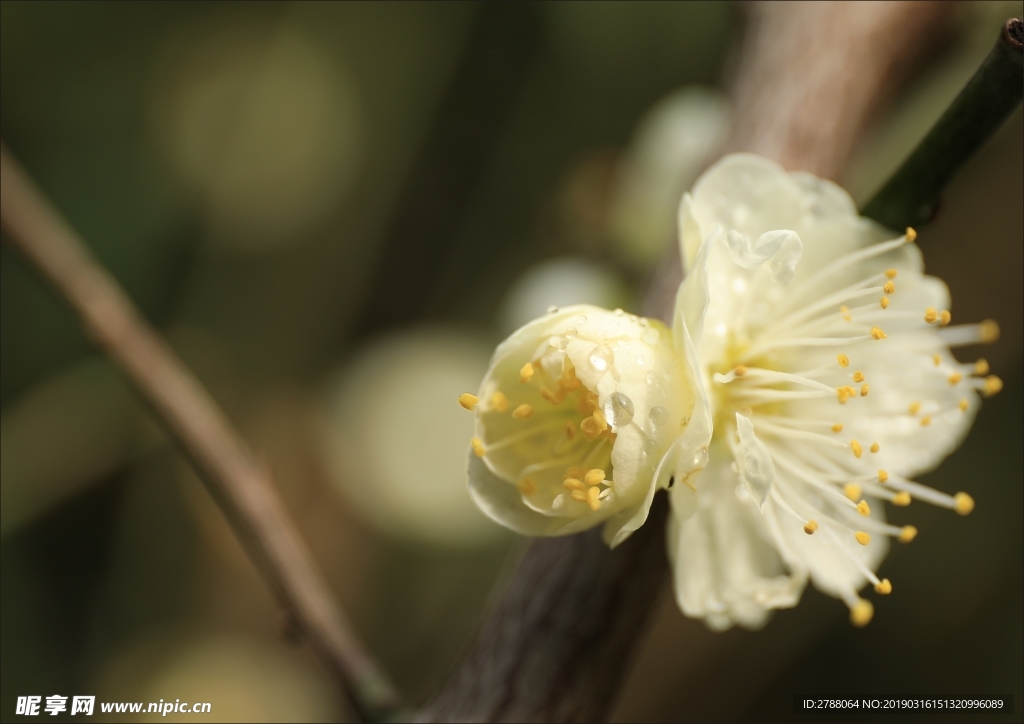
[(582, 319), (651, 336), (618, 409), (700, 458), (601, 358), (658, 415), (651, 378), (571, 332), (641, 360), (619, 312), (552, 309)]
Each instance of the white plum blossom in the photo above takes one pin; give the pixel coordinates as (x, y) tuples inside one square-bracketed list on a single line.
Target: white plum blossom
[(574, 420), (824, 352)]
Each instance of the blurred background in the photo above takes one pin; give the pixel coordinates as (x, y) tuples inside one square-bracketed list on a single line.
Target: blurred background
[(334, 212)]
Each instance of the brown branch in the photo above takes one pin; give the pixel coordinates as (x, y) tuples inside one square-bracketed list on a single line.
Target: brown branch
[(557, 645), (241, 487)]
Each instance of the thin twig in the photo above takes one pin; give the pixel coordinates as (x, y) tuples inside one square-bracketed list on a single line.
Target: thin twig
[(557, 645), (238, 483), (911, 196)]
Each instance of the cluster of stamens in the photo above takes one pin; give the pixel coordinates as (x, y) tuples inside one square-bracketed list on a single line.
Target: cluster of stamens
[(787, 416), (583, 422)]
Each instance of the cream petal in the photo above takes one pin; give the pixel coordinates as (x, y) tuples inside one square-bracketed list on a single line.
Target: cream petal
[(501, 502), (725, 565)]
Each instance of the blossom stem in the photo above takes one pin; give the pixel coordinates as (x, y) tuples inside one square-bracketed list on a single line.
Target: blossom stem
[(911, 195)]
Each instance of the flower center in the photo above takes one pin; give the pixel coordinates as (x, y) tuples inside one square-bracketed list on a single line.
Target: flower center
[(556, 435)]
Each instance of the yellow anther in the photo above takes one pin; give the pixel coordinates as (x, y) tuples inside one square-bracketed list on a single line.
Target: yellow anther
[(569, 381), (963, 503), (981, 367), (863, 508), (527, 486), (874, 447), (988, 330), (555, 398), (523, 411), (937, 359), (570, 430), (945, 317), (573, 472), (858, 376), (838, 427), (926, 421), (888, 288), (883, 476), (478, 447), (915, 407), (468, 401), (902, 499), (908, 533), (852, 491), (845, 311), (593, 499), (579, 496), (884, 301), (876, 333), (911, 234), (843, 360), (931, 314), (740, 370), (862, 537), (861, 613), (499, 401), (845, 393), (600, 419), (857, 449), (955, 378), (590, 428), (573, 484), (992, 385), (964, 404), (864, 390), (594, 477), (812, 525), (891, 273), (883, 587), (526, 373)]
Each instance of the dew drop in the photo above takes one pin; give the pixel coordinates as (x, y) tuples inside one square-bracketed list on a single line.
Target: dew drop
[(640, 361), (582, 319), (552, 309), (700, 458), (658, 415), (618, 409), (619, 312), (651, 336), (651, 378), (571, 332), (601, 358)]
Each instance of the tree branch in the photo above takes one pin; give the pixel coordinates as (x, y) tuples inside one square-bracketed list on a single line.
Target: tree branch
[(911, 196), (241, 487), (557, 645)]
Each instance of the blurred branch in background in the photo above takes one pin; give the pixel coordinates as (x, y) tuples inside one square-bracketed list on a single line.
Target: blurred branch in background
[(241, 487), (557, 644), (911, 196)]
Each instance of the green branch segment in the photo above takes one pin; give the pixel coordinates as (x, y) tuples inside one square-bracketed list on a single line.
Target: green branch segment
[(910, 197)]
